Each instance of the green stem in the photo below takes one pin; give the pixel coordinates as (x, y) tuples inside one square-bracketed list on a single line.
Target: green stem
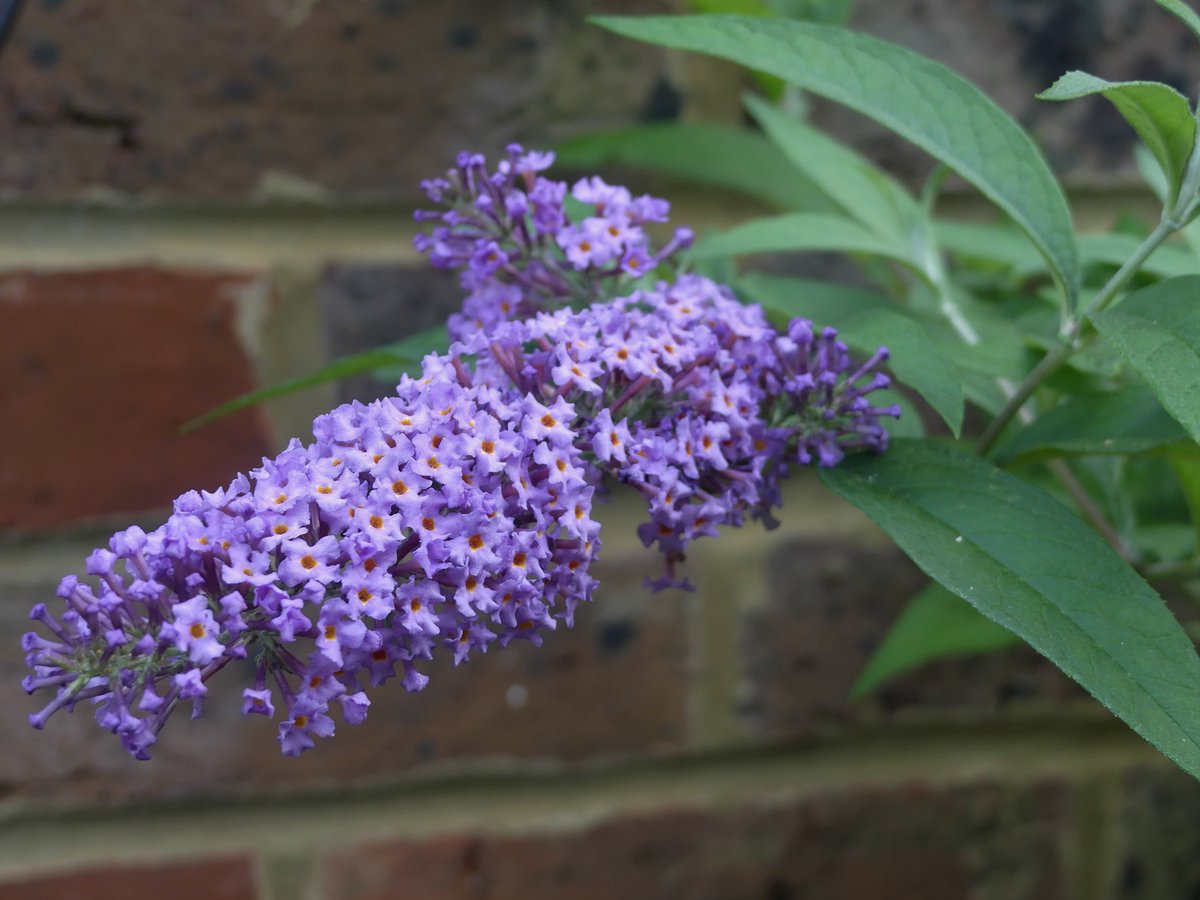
[(1091, 511), (1060, 354)]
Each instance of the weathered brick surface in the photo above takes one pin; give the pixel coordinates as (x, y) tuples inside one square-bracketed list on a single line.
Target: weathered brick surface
[(174, 98), (1013, 50), (1158, 835), (99, 370), (982, 841), (363, 306), (828, 606), (615, 685), (210, 879), (185, 100)]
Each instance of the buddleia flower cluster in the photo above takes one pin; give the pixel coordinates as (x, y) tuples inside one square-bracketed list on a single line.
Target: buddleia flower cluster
[(520, 250), (694, 399), (456, 513), (447, 516)]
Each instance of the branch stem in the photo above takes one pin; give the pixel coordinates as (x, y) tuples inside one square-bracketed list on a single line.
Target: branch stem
[(1091, 511), (1050, 363)]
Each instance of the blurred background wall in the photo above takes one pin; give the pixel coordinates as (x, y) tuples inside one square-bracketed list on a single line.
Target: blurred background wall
[(201, 196)]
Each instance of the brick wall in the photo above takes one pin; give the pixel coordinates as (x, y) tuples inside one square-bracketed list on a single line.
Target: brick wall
[(200, 197)]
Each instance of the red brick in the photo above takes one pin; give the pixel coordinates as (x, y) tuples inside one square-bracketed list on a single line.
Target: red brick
[(99, 370), (175, 98), (211, 879), (614, 686), (910, 843)]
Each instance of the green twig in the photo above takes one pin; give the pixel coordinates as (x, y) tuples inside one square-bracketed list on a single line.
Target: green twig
[(1071, 331)]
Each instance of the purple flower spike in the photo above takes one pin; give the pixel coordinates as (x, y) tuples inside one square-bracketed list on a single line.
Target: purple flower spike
[(457, 513), (444, 516), (521, 253)]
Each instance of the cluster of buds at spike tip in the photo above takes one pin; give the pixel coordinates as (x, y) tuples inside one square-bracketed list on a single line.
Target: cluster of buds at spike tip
[(457, 512), (519, 249)]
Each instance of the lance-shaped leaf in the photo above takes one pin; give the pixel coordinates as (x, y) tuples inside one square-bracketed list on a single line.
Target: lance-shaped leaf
[(1185, 13), (405, 354), (1157, 331), (917, 98), (1185, 460), (733, 158), (1129, 420), (823, 302), (855, 185), (1157, 181), (1028, 563), (935, 624), (1167, 260), (1010, 248), (915, 359), (996, 243), (1158, 113), (798, 232), (741, 7)]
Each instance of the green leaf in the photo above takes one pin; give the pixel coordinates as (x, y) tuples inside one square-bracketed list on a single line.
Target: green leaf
[(773, 87), (732, 158), (1185, 461), (908, 424), (855, 185), (1129, 420), (797, 232), (741, 7), (1180, 9), (935, 624), (1010, 248), (1167, 261), (1029, 564), (915, 359), (996, 243), (1166, 541), (1158, 113), (917, 98), (404, 354), (1000, 352), (834, 12), (1157, 331), (822, 302), (1157, 181)]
